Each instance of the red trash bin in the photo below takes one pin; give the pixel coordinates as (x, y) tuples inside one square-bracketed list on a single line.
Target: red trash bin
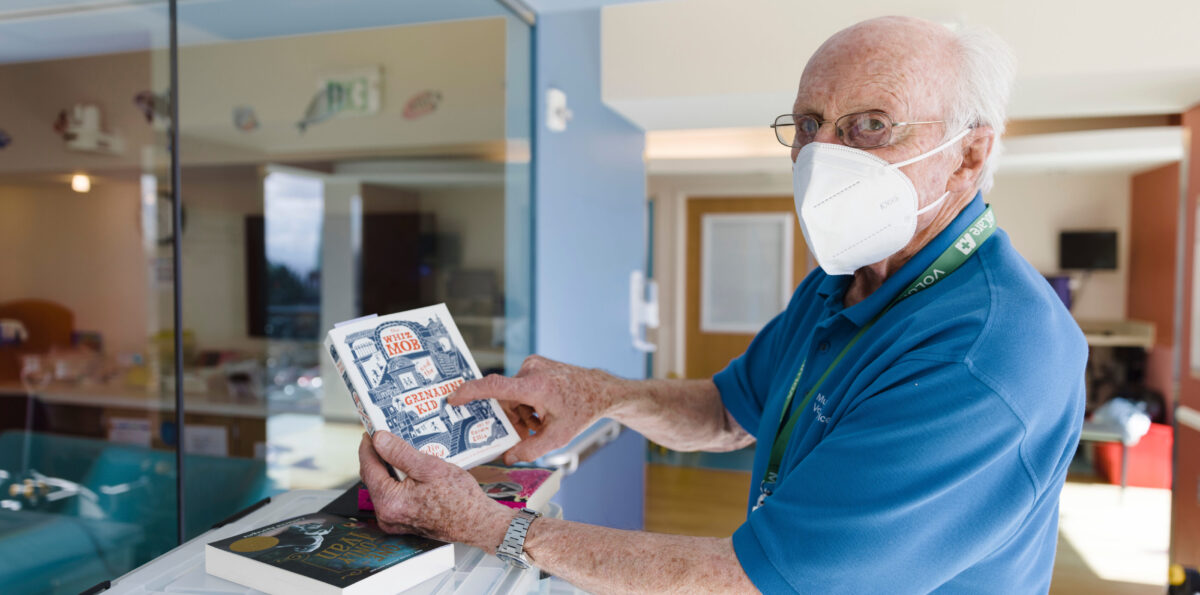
[(1149, 459)]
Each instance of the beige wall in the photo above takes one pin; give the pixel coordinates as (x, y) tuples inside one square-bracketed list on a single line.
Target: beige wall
[(85, 251), (81, 250), (463, 60), (35, 92), (1033, 208)]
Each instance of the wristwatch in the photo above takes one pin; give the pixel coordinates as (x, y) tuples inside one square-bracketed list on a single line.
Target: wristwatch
[(512, 549)]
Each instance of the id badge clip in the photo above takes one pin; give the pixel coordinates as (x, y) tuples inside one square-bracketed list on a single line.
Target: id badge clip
[(766, 488)]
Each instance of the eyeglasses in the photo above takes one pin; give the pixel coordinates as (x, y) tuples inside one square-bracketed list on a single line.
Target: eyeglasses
[(862, 130)]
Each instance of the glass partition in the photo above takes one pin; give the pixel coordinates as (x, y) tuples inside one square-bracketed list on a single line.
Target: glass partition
[(87, 402), (341, 159), (337, 158)]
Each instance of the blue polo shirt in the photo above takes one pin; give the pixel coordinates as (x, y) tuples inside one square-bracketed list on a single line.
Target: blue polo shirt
[(933, 456)]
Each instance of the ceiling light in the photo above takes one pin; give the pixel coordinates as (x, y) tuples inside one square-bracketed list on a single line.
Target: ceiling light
[(81, 183)]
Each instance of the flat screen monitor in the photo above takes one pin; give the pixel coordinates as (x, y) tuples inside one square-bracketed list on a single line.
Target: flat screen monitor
[(1087, 250)]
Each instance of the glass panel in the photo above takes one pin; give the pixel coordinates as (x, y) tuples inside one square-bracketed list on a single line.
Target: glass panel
[(87, 439), (746, 264), (340, 159)]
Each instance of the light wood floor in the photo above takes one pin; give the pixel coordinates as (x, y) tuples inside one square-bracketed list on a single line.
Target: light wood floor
[(691, 501), (1108, 545)]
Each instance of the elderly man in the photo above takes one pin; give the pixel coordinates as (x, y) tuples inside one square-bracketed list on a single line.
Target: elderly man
[(915, 406)]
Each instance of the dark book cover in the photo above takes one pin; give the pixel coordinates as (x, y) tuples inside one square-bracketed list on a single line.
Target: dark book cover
[(333, 550), (350, 503)]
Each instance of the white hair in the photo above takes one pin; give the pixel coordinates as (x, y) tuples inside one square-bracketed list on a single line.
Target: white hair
[(980, 98)]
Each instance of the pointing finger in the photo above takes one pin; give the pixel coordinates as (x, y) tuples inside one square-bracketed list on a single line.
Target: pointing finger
[(492, 386)]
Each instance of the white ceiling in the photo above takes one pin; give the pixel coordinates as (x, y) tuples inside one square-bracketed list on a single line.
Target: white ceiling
[(552, 6), (754, 151), (688, 64), (48, 29)]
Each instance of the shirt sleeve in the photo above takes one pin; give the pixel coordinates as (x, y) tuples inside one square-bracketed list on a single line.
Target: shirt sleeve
[(920, 478)]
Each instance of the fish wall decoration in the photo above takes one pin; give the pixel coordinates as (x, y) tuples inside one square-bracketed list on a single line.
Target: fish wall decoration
[(422, 104), (325, 104)]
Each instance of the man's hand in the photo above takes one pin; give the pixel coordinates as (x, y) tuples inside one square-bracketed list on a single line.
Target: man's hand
[(437, 499), (548, 402)]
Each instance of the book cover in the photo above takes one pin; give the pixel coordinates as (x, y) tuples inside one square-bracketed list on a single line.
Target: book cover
[(400, 368), (515, 487), (324, 553), (354, 502), (518, 487)]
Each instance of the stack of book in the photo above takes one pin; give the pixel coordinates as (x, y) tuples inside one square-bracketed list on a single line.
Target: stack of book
[(399, 368), (326, 553)]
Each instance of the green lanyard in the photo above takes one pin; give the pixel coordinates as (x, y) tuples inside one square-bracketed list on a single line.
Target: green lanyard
[(952, 258)]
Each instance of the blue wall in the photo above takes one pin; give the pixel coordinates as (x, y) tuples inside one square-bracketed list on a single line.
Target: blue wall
[(589, 234)]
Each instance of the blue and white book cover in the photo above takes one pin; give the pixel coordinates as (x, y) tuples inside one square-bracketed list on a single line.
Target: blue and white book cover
[(401, 367)]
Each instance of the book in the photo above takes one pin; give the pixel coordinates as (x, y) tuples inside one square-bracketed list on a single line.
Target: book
[(400, 368), (518, 487), (515, 487), (327, 554), (354, 502)]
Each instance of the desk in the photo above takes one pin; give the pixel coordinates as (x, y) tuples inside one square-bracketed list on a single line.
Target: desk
[(128, 397), (88, 411), (1097, 432), (1117, 333), (182, 569)]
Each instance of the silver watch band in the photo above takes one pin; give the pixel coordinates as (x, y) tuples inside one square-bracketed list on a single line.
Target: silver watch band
[(512, 549)]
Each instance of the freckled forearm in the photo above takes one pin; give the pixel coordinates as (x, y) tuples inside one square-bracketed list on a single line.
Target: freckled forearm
[(684, 415), (603, 560)]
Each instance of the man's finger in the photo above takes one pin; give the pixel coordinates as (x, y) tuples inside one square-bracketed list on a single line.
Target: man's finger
[(515, 419), (371, 468), (404, 457), (492, 386), (531, 421), (533, 447)]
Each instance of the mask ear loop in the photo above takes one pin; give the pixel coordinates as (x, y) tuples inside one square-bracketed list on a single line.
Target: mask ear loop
[(932, 205), (933, 151)]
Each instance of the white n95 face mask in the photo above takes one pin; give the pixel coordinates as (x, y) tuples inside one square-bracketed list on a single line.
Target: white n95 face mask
[(855, 209)]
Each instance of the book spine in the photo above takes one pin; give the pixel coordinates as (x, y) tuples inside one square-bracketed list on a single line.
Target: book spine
[(337, 351), (342, 370)]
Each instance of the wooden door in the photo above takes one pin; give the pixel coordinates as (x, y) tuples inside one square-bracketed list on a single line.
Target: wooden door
[(708, 351)]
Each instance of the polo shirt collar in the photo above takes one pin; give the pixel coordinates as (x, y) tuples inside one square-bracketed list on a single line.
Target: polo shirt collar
[(833, 286)]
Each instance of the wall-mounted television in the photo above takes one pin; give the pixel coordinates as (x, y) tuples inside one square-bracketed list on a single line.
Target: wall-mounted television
[(1087, 250)]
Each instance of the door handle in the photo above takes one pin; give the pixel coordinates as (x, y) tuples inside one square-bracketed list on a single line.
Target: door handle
[(643, 310)]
